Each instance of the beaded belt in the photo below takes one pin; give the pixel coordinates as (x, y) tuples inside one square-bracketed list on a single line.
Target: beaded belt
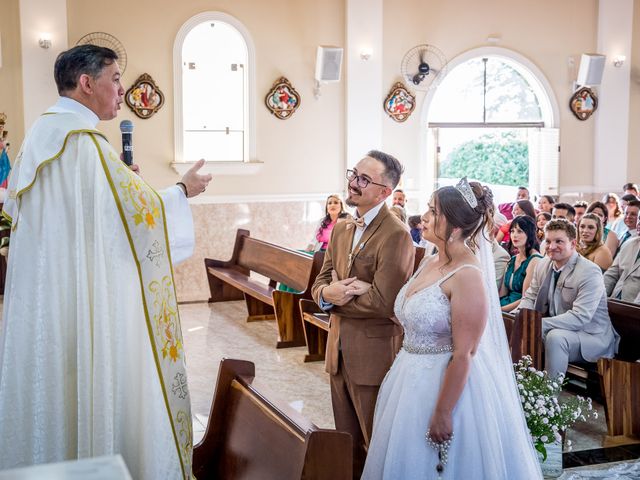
[(427, 349)]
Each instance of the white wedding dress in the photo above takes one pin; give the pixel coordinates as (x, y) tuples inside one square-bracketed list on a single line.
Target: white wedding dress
[(491, 440)]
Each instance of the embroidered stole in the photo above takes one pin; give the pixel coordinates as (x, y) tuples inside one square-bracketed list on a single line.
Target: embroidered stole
[(143, 218)]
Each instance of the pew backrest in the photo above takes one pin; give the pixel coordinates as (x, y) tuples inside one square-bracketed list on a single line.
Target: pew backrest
[(252, 435), (275, 262), (625, 318)]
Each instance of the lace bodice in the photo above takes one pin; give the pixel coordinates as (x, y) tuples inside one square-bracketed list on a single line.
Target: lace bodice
[(426, 315)]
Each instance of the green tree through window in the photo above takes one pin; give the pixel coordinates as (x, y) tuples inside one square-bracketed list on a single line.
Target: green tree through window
[(492, 158)]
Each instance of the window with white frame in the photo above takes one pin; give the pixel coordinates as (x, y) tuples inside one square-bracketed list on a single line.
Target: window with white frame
[(488, 120), (213, 61)]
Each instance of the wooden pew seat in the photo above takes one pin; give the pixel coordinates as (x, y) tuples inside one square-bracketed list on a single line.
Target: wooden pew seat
[(252, 435), (232, 280)]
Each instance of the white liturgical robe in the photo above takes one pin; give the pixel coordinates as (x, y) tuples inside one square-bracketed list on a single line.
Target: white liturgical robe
[(91, 353)]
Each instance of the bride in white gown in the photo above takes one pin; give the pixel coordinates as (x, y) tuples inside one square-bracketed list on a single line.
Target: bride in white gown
[(452, 381)]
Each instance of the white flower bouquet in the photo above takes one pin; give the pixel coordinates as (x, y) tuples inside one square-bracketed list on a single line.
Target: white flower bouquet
[(547, 417)]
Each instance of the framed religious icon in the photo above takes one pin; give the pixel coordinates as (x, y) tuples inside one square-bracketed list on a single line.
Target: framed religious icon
[(144, 97), (399, 103), (282, 100), (583, 103)]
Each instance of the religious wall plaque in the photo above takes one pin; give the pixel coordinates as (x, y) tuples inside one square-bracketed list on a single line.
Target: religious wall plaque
[(282, 100), (583, 103), (144, 97), (400, 103)]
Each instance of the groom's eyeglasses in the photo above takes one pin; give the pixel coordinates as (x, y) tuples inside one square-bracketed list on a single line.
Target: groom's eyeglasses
[(362, 182)]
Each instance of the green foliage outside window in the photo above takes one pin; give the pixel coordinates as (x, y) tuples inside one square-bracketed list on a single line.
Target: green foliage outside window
[(496, 159)]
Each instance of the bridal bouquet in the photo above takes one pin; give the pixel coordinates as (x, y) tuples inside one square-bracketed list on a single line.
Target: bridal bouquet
[(547, 416)]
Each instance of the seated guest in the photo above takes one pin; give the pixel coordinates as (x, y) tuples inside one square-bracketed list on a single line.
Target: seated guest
[(521, 207), (630, 220), (500, 256), (521, 266), (506, 209), (398, 212), (622, 279), (333, 209), (541, 220), (590, 244), (546, 203), (625, 199), (399, 198), (563, 210), (609, 237), (614, 213), (580, 208), (569, 291), (415, 225), (631, 188)]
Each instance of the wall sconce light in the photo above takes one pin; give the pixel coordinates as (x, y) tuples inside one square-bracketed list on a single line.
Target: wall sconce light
[(45, 40), (619, 60), (365, 54)]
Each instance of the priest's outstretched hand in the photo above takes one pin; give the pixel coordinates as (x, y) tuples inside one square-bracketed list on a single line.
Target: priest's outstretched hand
[(194, 182)]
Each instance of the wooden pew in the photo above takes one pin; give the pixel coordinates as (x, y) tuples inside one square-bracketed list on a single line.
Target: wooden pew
[(621, 387), (231, 280), (250, 435), (509, 319), (316, 322), (316, 329), (526, 337), (620, 377)]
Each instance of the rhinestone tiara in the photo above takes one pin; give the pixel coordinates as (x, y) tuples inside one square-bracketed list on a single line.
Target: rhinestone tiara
[(467, 192)]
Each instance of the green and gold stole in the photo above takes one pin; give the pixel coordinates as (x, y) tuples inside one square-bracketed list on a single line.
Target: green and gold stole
[(142, 213)]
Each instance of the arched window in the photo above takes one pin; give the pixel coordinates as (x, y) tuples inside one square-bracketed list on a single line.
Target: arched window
[(214, 90), (491, 119)]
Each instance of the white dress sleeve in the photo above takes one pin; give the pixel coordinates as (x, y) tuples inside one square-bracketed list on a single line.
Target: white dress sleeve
[(179, 223)]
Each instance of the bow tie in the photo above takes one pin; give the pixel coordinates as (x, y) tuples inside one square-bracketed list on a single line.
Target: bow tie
[(358, 222)]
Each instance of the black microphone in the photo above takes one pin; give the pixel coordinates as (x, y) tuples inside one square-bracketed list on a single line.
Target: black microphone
[(126, 128)]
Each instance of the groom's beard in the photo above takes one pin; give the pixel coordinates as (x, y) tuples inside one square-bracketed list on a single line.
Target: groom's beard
[(350, 201)]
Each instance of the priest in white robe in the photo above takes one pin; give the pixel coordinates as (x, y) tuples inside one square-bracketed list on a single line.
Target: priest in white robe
[(91, 354)]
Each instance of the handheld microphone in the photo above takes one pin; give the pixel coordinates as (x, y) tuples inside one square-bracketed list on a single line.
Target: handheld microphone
[(126, 128)]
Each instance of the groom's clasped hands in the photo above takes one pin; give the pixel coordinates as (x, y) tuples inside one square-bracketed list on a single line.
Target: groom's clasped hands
[(340, 292)]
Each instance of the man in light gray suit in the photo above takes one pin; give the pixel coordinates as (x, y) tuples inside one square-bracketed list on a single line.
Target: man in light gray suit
[(569, 291), (622, 279)]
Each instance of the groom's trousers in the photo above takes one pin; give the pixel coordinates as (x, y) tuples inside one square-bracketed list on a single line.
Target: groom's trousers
[(353, 407)]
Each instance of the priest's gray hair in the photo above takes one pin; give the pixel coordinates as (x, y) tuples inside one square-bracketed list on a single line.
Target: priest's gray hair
[(79, 60)]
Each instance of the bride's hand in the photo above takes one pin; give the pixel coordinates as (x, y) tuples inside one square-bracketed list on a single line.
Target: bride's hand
[(441, 427), (358, 287)]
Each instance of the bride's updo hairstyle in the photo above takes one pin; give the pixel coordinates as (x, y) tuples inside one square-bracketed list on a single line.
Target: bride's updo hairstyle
[(458, 213)]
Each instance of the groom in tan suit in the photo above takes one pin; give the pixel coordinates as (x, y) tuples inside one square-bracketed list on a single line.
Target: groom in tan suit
[(367, 262)]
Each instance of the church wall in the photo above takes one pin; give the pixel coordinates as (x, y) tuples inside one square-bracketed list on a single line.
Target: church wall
[(284, 201), (11, 73), (633, 165), (286, 33), (546, 32)]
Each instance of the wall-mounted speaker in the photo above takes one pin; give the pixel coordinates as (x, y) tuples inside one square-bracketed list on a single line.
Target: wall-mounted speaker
[(591, 68), (328, 64)]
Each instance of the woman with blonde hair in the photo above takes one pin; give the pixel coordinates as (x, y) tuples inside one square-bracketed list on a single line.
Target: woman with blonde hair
[(609, 237), (590, 244)]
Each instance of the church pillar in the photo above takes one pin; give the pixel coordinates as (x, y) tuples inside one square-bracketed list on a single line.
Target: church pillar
[(40, 19), (615, 32), (363, 61)]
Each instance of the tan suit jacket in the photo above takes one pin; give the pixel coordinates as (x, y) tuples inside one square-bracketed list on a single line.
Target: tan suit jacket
[(581, 305), (622, 279), (364, 328)]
